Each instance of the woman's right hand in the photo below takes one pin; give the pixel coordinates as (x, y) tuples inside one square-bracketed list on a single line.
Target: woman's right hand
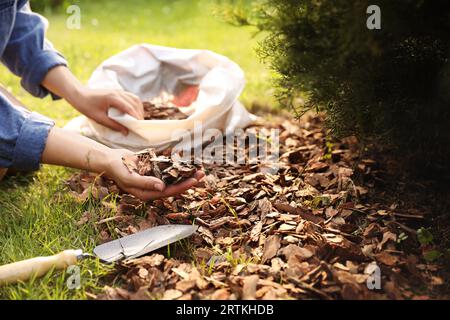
[(66, 148), (143, 187)]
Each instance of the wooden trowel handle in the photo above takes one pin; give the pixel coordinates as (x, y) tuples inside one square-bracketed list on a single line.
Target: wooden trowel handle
[(24, 270)]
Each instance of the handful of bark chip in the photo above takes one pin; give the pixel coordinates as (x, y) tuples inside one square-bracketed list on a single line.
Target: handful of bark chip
[(161, 167)]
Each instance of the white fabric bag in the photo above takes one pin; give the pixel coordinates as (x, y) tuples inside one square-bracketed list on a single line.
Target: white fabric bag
[(150, 70)]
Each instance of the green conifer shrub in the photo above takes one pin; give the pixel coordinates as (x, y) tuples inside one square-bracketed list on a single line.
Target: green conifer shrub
[(390, 85)]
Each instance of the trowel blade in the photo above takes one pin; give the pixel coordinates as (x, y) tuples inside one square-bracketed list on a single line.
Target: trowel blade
[(143, 242)]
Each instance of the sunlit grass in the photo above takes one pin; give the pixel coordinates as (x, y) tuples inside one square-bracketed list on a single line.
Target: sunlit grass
[(37, 217)]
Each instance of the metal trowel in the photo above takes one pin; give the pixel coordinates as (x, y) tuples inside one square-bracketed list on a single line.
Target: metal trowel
[(128, 247)]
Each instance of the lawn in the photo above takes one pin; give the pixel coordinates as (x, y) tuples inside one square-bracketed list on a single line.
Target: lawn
[(37, 216)]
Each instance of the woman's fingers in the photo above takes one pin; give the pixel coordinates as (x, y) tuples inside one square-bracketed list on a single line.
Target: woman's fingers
[(179, 188), (146, 183), (145, 194), (183, 186), (136, 103), (199, 175), (123, 105), (168, 191)]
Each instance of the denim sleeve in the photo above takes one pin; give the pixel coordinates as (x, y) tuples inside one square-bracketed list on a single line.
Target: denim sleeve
[(23, 135), (28, 54)]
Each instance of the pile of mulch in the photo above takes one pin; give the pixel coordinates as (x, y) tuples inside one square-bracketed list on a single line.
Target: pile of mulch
[(316, 229)]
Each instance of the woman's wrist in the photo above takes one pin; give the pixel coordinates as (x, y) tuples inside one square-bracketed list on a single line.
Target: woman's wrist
[(99, 160), (69, 149), (74, 94), (63, 83)]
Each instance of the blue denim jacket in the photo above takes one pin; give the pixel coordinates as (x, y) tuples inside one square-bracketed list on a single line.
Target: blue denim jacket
[(26, 53)]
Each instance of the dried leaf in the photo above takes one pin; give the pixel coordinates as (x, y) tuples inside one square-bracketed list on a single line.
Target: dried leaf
[(294, 250), (271, 246), (172, 294), (249, 288)]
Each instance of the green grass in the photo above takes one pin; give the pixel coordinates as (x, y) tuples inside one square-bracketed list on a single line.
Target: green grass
[(37, 217)]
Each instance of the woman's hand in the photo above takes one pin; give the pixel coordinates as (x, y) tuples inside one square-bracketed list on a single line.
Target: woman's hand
[(143, 187), (94, 104), (69, 149)]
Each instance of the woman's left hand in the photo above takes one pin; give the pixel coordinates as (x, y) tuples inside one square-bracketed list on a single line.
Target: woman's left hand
[(94, 104)]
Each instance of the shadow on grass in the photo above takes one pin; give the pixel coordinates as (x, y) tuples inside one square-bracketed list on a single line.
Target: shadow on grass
[(17, 180)]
